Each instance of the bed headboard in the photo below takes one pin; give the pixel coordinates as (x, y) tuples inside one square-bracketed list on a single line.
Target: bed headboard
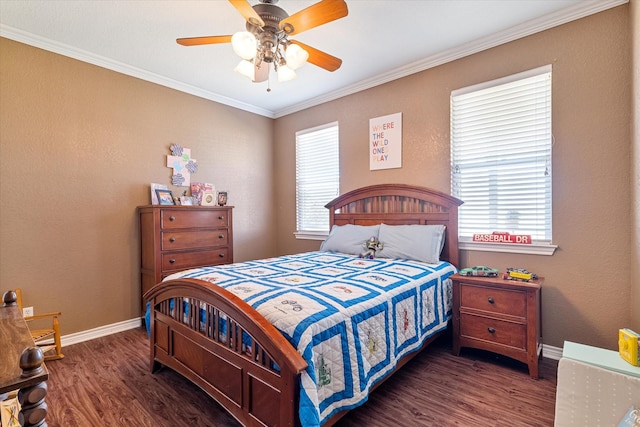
[(396, 204)]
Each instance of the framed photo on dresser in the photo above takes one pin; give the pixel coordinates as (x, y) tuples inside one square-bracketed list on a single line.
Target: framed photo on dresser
[(222, 198), (165, 197), (208, 198), (155, 186)]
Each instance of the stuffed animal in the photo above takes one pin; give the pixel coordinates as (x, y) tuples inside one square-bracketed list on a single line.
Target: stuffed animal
[(372, 245)]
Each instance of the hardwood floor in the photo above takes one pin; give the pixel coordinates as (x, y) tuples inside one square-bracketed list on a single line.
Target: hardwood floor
[(106, 382)]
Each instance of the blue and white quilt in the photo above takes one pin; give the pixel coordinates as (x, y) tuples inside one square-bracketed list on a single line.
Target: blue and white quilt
[(351, 319)]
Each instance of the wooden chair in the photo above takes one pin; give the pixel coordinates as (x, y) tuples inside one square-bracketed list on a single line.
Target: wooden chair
[(46, 339)]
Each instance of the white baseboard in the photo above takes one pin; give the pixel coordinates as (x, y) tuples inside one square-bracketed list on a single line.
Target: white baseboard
[(548, 351), (551, 352), (101, 331)]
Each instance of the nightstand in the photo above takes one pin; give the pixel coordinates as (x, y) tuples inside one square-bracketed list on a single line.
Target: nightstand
[(502, 316)]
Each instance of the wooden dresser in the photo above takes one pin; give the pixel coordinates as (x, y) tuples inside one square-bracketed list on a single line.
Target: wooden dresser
[(176, 238), (502, 316)]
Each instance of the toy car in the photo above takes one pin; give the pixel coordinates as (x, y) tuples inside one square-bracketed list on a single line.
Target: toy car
[(480, 271), (519, 274)]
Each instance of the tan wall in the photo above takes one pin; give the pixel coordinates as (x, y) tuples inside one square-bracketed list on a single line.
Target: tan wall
[(587, 292), (78, 147), (635, 168)]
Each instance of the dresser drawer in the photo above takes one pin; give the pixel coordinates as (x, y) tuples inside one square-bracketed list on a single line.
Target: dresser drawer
[(185, 260), (193, 218), (174, 240), (493, 330), (493, 300)]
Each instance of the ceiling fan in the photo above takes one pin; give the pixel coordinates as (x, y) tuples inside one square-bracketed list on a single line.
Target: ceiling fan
[(267, 42)]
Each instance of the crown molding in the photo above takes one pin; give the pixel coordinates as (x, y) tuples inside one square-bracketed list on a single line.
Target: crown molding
[(88, 57), (543, 23), (580, 10)]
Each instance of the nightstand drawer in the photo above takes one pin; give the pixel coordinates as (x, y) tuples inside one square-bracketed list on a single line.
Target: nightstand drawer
[(493, 300), (192, 218), (493, 330), (184, 260), (174, 240)]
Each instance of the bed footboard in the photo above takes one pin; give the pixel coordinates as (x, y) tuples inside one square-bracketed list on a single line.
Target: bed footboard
[(228, 349)]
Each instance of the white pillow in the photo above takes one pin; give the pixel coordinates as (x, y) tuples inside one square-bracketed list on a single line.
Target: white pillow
[(349, 238), (417, 242)]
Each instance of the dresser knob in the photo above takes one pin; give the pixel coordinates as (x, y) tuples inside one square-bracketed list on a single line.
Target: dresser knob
[(221, 236), (490, 299), (171, 261), (491, 330), (172, 218), (221, 217), (221, 255), (172, 239)]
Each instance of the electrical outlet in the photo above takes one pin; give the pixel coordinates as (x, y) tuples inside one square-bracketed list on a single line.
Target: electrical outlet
[(27, 311)]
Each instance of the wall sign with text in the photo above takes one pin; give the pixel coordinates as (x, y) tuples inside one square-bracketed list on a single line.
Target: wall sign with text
[(503, 237), (385, 142)]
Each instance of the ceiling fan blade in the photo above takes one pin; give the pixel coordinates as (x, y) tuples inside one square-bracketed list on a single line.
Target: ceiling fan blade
[(195, 41), (247, 11), (320, 58), (313, 16)]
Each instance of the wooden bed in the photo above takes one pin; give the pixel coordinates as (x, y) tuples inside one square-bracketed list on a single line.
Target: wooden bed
[(260, 386)]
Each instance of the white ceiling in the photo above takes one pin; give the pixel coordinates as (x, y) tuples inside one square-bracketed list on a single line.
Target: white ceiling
[(379, 41)]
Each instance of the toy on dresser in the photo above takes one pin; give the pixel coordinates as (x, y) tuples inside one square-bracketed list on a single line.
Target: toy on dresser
[(629, 346), (519, 274)]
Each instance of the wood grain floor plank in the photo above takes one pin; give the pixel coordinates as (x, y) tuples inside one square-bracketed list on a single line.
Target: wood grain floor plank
[(107, 382)]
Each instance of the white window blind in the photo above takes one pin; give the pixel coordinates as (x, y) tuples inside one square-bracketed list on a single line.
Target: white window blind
[(501, 155), (317, 176)]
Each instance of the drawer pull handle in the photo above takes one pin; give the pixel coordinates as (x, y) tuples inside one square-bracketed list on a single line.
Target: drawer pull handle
[(172, 218), (172, 239), (221, 255), (490, 299), (221, 236), (221, 217), (171, 261), (491, 330)]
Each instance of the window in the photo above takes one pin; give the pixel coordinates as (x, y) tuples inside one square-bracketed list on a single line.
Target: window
[(317, 179), (501, 156)]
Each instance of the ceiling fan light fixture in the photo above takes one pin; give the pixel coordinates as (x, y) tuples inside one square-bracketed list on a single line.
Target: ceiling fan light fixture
[(265, 43), (285, 73), (244, 44), (296, 56), (246, 68)]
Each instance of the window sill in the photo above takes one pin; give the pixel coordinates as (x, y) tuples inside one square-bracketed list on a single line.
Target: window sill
[(534, 249), (311, 235)]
